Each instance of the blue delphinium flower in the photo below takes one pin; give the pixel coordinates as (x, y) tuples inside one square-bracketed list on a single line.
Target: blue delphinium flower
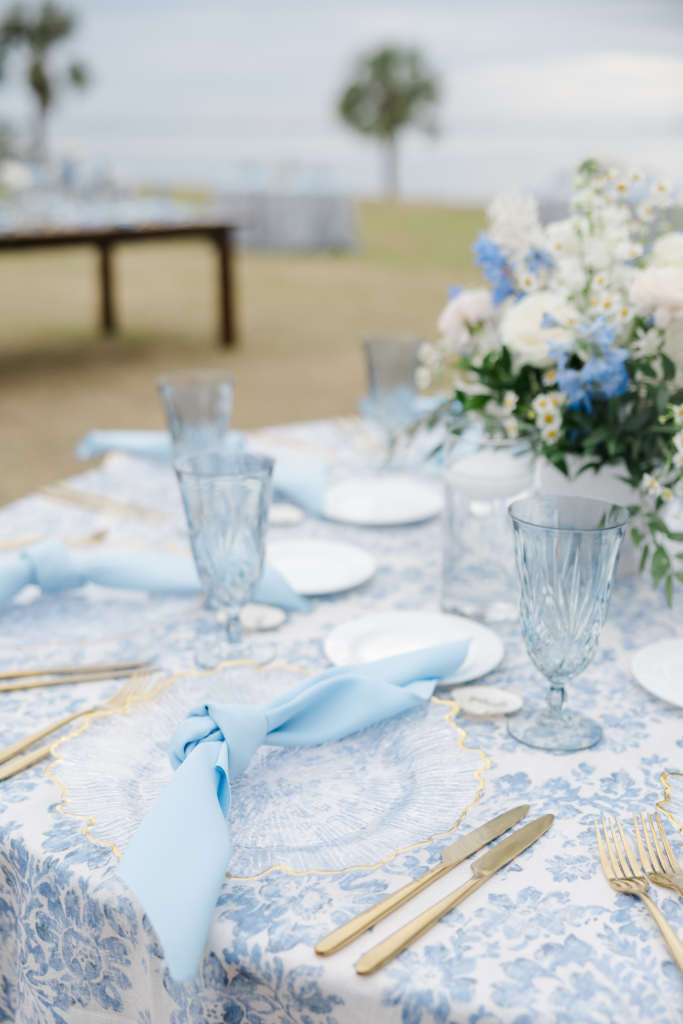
[(538, 260), (496, 269), (603, 374), (454, 290)]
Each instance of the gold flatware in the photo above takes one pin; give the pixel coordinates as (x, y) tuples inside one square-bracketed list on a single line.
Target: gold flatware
[(453, 855), (482, 869), (136, 686), (73, 670), (31, 679), (624, 874), (103, 503), (24, 539), (659, 862), (64, 680)]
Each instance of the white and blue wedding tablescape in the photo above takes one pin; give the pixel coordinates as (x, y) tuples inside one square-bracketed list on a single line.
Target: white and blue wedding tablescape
[(198, 406), (226, 497), (176, 861), (485, 469), (315, 568), (566, 551), (388, 634)]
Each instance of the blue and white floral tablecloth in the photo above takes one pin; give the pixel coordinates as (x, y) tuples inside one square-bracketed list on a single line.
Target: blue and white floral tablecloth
[(545, 941)]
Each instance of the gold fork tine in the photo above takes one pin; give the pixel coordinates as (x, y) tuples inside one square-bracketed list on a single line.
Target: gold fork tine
[(663, 860), (622, 866), (656, 865), (632, 859), (606, 867), (667, 845), (616, 871), (645, 859)]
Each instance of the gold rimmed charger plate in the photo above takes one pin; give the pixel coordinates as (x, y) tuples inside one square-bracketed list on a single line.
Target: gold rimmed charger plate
[(336, 807)]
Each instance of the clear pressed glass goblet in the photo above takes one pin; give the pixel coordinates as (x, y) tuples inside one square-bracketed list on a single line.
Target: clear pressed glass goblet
[(198, 405), (226, 497), (566, 551), (391, 362)]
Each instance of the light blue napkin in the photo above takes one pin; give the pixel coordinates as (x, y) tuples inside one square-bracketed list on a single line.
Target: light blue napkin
[(176, 861), (301, 483), (51, 566), (148, 444)]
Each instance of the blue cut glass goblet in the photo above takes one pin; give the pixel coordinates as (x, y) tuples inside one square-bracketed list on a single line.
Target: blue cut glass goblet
[(227, 496), (198, 405), (566, 551), (391, 363)]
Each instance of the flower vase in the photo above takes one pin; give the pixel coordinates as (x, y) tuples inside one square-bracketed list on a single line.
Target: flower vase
[(607, 484)]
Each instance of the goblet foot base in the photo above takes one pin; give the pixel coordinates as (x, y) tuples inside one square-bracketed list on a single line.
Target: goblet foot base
[(210, 654), (554, 730)]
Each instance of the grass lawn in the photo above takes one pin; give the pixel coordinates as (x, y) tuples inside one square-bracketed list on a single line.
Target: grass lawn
[(300, 319)]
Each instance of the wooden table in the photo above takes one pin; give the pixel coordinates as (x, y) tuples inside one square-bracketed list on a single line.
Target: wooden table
[(106, 238)]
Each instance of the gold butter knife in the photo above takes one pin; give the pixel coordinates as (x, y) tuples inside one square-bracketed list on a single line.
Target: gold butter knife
[(483, 868), (453, 855)]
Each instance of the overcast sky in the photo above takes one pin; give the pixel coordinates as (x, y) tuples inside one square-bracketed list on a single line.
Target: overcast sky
[(242, 92)]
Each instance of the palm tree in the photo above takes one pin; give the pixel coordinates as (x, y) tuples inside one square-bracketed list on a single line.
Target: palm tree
[(391, 89), (37, 31)]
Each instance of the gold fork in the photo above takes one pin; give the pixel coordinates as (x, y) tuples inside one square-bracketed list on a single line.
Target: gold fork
[(136, 686), (660, 865), (624, 874)]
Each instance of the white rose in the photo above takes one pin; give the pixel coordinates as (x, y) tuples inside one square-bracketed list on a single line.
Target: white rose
[(467, 309), (521, 331), (660, 288), (668, 250)]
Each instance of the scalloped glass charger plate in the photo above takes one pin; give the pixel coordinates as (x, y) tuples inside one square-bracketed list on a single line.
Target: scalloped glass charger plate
[(342, 805)]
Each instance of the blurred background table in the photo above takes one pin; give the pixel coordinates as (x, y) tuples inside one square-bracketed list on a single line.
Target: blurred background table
[(104, 239)]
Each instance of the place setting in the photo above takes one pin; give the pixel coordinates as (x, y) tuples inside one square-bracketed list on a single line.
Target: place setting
[(359, 716)]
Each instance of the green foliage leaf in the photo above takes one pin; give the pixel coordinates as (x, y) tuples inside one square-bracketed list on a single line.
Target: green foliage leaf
[(661, 564)]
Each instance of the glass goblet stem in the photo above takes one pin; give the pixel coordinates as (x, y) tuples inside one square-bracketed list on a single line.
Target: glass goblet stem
[(555, 697), (234, 628)]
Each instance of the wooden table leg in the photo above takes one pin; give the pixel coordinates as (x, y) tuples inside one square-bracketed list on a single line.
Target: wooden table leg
[(225, 285), (107, 288)]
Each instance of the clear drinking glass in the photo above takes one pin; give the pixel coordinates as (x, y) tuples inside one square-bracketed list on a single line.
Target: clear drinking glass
[(566, 551), (483, 473), (227, 496), (392, 361), (198, 405)]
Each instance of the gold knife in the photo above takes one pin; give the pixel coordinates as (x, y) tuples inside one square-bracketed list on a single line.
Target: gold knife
[(483, 868), (453, 855)]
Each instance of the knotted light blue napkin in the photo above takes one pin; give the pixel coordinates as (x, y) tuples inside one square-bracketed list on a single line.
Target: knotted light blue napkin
[(302, 483), (176, 861), (51, 566)]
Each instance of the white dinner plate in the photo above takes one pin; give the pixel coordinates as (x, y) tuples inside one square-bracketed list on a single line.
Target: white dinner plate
[(391, 500), (316, 567), (658, 667), (379, 636)]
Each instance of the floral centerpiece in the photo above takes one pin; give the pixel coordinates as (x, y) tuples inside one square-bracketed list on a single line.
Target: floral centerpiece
[(581, 335)]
